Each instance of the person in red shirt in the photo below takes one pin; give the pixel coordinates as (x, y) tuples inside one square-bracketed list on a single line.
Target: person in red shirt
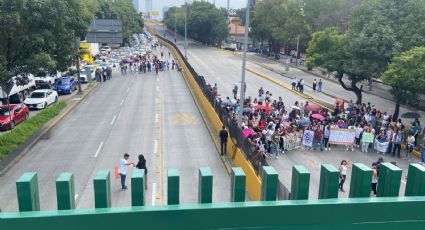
[(318, 138)]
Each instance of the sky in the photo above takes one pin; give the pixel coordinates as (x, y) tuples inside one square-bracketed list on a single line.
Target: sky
[(159, 4)]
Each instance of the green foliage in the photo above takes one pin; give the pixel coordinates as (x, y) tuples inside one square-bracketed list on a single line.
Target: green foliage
[(205, 22), (406, 75), (11, 140)]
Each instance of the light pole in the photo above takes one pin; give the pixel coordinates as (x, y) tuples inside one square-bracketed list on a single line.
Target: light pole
[(298, 44), (175, 27), (77, 64), (185, 29), (245, 48)]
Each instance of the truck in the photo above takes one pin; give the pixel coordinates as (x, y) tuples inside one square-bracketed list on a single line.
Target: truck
[(18, 93), (91, 50)]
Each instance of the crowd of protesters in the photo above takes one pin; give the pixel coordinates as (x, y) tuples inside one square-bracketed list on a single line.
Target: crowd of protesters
[(268, 123)]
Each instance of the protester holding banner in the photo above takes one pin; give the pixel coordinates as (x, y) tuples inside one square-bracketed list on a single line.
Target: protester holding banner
[(367, 138)]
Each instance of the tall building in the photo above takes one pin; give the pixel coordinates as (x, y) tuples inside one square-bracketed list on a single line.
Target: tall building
[(137, 5)]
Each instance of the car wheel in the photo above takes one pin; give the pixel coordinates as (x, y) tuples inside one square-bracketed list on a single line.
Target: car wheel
[(45, 105), (12, 125), (27, 116), (56, 99)]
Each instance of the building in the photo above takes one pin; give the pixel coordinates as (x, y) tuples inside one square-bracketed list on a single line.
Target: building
[(137, 5)]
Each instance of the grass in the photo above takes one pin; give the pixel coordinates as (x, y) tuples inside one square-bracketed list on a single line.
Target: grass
[(11, 140)]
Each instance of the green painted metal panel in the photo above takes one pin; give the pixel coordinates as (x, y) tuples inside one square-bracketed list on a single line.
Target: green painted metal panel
[(173, 189), (389, 180), (138, 187), (27, 192), (102, 189), (300, 183), (348, 214), (269, 183), (361, 179), (238, 185), (329, 179), (205, 186), (65, 193), (415, 185)]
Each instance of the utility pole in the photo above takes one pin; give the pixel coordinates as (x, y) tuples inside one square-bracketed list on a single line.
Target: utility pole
[(298, 43), (245, 48), (185, 30), (228, 6), (77, 64), (175, 27)]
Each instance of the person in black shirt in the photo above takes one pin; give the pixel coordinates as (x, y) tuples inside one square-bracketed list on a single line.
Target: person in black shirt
[(223, 140), (142, 165)]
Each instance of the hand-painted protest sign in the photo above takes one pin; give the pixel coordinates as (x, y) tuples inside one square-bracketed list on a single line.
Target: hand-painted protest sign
[(367, 138), (308, 138), (381, 146), (342, 136)]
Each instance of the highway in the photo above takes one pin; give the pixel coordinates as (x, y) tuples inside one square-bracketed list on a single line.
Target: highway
[(138, 114), (224, 68)]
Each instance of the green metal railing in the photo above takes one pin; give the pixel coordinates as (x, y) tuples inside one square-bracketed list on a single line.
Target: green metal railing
[(328, 212)]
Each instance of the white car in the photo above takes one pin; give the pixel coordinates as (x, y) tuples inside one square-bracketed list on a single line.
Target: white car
[(40, 99)]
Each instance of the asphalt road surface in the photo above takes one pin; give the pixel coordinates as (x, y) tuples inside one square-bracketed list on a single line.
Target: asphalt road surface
[(224, 68), (138, 114)]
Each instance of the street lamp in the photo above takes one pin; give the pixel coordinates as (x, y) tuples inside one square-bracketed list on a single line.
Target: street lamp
[(245, 48), (185, 29)]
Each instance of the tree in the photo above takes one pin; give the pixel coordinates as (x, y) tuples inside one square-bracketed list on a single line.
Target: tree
[(39, 34), (406, 76), (205, 23)]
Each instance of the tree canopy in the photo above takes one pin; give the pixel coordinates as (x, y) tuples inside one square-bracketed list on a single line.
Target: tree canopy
[(42, 34), (406, 76), (205, 22)]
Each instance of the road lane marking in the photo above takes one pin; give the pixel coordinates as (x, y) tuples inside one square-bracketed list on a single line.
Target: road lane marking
[(128, 90), (113, 119), (76, 196), (155, 147), (402, 181), (156, 118), (122, 102), (98, 149), (153, 193)]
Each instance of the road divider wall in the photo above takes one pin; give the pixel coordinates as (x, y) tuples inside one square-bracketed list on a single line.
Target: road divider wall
[(208, 104)]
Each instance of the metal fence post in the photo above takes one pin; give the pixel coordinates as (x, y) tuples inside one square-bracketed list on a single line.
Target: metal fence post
[(415, 185), (329, 178), (361, 177), (205, 186), (238, 184), (138, 187), (102, 189), (300, 183), (65, 193), (173, 190), (389, 180), (269, 180), (27, 191)]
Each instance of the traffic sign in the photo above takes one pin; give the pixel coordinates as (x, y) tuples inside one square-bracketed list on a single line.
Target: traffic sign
[(236, 21)]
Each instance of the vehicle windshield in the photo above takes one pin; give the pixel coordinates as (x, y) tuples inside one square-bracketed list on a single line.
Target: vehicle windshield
[(4, 112), (37, 95), (63, 81)]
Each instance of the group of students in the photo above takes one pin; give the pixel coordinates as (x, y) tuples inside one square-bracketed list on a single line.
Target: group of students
[(103, 74)]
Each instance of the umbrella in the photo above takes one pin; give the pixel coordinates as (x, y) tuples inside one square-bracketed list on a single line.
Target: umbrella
[(247, 132), (410, 115), (313, 108), (296, 107), (303, 122), (318, 117)]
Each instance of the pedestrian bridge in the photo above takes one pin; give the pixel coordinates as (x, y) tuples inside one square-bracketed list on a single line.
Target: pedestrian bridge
[(360, 211)]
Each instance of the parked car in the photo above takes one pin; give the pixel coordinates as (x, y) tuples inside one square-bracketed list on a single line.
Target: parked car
[(12, 115), (65, 85), (41, 98), (44, 77)]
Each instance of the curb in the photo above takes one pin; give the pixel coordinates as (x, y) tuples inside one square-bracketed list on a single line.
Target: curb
[(23, 148)]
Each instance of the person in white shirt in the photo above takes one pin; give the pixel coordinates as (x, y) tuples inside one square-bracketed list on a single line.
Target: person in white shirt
[(123, 169), (410, 146)]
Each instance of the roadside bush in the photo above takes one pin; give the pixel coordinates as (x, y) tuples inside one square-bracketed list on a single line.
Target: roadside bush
[(11, 140)]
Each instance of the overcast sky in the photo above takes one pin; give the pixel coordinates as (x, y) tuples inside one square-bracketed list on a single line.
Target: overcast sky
[(159, 4)]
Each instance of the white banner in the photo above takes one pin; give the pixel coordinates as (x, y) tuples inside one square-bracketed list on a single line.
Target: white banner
[(292, 141), (342, 136), (381, 146), (308, 138)]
